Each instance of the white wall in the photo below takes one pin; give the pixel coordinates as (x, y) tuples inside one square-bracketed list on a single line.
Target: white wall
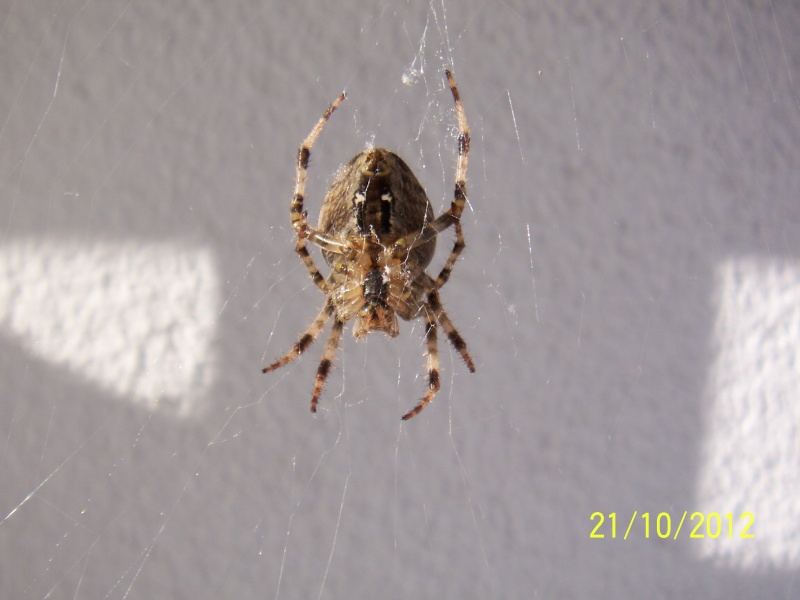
[(629, 292)]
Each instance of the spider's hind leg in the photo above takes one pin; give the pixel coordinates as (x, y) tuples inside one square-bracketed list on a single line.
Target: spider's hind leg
[(453, 336), (305, 340), (433, 366), (308, 338), (326, 361)]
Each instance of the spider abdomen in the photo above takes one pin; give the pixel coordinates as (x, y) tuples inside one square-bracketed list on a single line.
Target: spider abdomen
[(377, 194)]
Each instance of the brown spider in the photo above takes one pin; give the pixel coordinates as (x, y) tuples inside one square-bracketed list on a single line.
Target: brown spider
[(377, 233)]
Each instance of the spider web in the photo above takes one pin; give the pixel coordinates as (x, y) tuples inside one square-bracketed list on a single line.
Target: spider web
[(628, 291)]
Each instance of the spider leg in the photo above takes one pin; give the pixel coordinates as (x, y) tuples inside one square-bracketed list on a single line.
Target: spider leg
[(328, 243), (453, 214), (463, 144), (305, 340), (298, 214), (453, 336), (460, 190), (327, 359), (431, 230), (305, 256), (433, 366), (458, 246)]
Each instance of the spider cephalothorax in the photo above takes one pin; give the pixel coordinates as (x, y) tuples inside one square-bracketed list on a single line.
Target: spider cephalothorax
[(377, 232)]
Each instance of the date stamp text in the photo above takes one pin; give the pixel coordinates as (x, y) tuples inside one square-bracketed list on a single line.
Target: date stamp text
[(665, 525)]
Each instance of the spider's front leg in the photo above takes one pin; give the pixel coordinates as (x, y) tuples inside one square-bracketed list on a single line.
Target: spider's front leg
[(305, 234), (452, 217), (299, 216), (301, 227)]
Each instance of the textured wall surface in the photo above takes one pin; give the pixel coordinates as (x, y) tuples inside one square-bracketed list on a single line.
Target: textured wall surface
[(630, 292)]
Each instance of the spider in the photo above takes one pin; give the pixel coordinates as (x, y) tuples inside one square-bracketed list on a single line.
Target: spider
[(377, 233)]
